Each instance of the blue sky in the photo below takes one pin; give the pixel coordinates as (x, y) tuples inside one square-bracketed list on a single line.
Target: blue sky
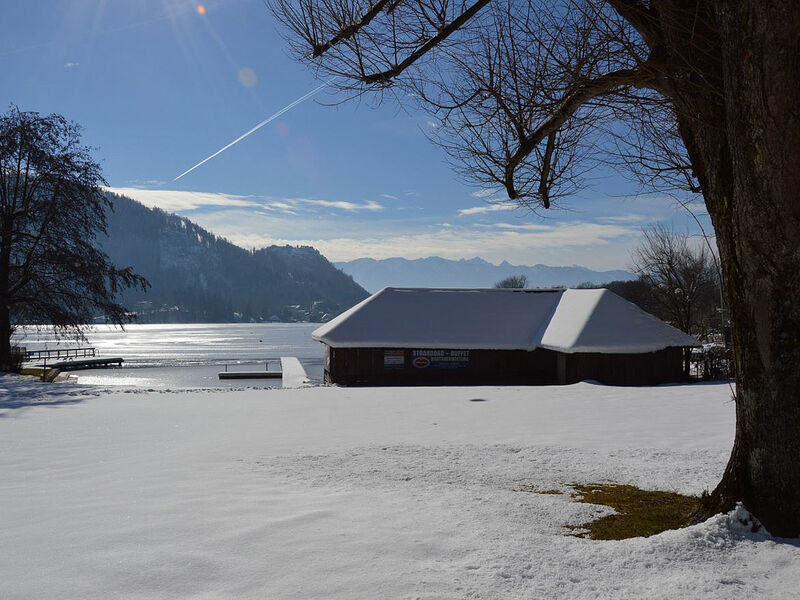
[(158, 86)]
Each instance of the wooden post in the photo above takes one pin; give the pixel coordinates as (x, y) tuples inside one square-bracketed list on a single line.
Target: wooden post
[(561, 365)]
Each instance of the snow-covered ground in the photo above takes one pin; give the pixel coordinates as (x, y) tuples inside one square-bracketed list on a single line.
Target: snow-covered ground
[(363, 493)]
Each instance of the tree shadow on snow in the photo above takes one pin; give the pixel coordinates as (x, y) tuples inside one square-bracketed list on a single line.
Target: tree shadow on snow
[(20, 392)]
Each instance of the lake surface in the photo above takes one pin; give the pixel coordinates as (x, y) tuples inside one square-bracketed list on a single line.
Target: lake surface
[(170, 356)]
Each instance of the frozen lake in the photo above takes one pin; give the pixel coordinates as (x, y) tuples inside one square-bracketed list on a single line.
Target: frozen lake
[(168, 356)]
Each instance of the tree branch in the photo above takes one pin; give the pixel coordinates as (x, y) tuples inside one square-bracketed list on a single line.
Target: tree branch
[(354, 28), (443, 34), (571, 103), (544, 179)]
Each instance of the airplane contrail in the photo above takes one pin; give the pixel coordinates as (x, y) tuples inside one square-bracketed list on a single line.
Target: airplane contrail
[(288, 107)]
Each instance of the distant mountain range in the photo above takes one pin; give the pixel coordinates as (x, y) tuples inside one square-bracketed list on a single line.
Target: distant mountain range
[(440, 272), (199, 277)]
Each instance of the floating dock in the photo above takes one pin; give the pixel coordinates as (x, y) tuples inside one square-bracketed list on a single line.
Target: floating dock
[(250, 374), (265, 374), (292, 373)]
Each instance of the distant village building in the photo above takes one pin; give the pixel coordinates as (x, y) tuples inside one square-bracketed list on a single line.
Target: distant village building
[(420, 336)]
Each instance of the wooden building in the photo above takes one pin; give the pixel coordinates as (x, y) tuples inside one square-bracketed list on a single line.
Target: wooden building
[(422, 336)]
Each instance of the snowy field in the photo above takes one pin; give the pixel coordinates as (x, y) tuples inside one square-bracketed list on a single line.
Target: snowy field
[(363, 493)]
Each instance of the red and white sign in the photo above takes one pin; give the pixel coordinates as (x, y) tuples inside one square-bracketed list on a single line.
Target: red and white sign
[(421, 362)]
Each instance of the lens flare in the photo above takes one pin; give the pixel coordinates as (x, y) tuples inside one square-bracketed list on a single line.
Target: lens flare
[(201, 9), (247, 77)]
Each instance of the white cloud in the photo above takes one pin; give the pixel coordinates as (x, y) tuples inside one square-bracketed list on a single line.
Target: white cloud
[(629, 218), (186, 201), (145, 183), (71, 65), (389, 196), (522, 227), (485, 192), (344, 230), (479, 210), (181, 200), (282, 207), (340, 204), (591, 244)]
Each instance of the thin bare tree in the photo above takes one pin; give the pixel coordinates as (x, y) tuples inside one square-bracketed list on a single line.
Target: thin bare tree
[(681, 278), (699, 94), (516, 282)]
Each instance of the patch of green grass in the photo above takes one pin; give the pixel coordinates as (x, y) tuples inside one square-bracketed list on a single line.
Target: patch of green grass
[(640, 513)]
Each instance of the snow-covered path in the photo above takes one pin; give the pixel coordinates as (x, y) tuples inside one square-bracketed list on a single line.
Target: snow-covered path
[(362, 493)]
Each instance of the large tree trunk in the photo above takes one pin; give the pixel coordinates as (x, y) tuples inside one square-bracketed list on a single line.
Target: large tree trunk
[(6, 364), (751, 178)]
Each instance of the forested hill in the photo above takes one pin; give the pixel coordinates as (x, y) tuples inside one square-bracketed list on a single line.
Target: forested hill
[(199, 277)]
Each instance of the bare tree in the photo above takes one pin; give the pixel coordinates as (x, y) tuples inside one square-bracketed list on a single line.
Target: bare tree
[(698, 93), (681, 279), (517, 282), (51, 210)]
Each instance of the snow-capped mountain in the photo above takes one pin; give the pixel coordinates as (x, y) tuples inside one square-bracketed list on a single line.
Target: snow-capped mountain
[(435, 271)]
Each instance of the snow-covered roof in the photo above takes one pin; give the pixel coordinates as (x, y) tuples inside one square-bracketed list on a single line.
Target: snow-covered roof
[(602, 321), (500, 319)]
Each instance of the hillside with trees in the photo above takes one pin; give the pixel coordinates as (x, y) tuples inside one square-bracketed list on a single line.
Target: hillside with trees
[(197, 276)]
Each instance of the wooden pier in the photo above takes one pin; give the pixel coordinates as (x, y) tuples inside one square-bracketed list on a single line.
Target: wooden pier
[(89, 363), (67, 359), (294, 375)]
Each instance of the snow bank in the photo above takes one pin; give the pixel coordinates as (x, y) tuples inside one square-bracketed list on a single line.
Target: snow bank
[(363, 493)]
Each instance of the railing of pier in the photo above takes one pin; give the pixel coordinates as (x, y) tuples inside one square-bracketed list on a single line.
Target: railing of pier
[(62, 353)]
